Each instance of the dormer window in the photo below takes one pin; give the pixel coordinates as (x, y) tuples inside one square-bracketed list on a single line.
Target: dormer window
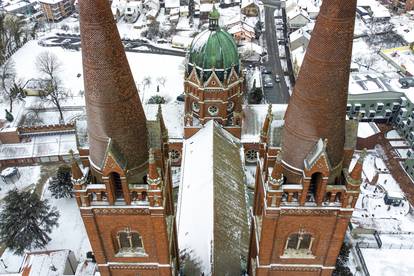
[(195, 106)]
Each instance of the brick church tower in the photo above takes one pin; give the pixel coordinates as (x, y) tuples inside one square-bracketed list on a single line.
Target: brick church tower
[(305, 194), (213, 81), (124, 190)]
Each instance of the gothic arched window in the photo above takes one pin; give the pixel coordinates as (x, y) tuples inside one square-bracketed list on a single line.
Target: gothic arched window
[(116, 183), (129, 242), (299, 245)]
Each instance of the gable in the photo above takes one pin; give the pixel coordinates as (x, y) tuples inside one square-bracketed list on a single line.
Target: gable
[(213, 81)]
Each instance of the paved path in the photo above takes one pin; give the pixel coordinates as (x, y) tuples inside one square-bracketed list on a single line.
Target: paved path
[(280, 92)]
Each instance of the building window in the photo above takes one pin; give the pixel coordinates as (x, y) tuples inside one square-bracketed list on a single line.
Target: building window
[(129, 243), (213, 110), (230, 106), (195, 106), (299, 245), (251, 156), (175, 155)]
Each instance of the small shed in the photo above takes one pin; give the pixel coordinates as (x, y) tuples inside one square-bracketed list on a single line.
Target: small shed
[(10, 175)]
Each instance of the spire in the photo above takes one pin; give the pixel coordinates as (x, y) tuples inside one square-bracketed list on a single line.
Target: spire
[(213, 18), (267, 122), (113, 106), (160, 118), (317, 108), (277, 169), (356, 173), (152, 169), (76, 171)]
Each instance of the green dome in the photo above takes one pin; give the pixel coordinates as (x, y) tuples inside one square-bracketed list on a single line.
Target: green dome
[(213, 49)]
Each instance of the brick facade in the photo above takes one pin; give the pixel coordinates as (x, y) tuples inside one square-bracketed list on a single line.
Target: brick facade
[(124, 192), (304, 193)]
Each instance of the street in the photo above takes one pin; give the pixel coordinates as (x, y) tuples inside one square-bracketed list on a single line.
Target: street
[(279, 93)]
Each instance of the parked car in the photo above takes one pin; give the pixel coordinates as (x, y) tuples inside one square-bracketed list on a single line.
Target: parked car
[(277, 78), (265, 71), (268, 84), (406, 82)]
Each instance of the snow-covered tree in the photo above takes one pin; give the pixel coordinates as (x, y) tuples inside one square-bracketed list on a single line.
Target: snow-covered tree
[(61, 185), (26, 221)]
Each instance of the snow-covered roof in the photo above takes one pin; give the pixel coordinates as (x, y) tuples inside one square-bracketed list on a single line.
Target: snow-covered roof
[(363, 83), (51, 263), (245, 3), (254, 116), (299, 34), (212, 213), (242, 28), (16, 6), (367, 129), (172, 4), (40, 146), (51, 2), (251, 46), (378, 10), (173, 115), (295, 13)]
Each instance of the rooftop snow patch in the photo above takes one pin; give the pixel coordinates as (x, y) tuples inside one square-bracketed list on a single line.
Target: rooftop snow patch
[(212, 214), (254, 116), (367, 129)]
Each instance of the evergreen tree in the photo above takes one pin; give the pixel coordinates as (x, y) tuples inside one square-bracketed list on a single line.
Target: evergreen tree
[(61, 185), (26, 221), (341, 267)]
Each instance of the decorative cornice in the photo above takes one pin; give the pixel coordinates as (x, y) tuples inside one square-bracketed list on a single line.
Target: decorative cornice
[(121, 211), (307, 212)]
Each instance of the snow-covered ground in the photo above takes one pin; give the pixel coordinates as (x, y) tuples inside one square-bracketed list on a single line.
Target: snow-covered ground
[(29, 176), (389, 262), (149, 70), (371, 211)]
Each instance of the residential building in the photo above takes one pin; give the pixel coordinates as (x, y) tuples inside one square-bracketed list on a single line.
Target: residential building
[(250, 8), (56, 10), (405, 5), (297, 18)]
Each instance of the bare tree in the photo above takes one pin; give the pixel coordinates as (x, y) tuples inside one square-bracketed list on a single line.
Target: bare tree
[(53, 91), (146, 82), (9, 87), (161, 80)]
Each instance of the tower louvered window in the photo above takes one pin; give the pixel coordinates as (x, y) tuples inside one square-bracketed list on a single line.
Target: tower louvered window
[(129, 242), (299, 245)]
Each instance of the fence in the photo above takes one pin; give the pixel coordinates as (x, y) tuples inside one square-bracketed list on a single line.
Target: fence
[(362, 260)]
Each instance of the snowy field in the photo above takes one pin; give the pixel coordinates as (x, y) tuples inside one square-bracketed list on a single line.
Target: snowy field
[(389, 262), (149, 70)]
